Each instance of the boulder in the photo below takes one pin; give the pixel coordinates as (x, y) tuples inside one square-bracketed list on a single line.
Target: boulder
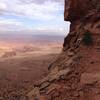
[(34, 94)]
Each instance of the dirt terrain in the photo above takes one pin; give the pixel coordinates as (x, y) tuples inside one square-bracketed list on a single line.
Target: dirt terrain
[(21, 65)]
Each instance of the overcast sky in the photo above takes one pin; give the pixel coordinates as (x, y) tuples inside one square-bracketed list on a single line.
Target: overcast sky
[(37, 16)]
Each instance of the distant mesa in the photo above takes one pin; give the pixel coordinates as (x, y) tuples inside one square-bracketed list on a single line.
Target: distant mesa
[(9, 54)]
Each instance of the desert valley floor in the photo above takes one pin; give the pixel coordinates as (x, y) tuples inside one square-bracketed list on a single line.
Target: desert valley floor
[(21, 65)]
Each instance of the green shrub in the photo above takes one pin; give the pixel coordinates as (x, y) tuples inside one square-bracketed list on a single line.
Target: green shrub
[(87, 38)]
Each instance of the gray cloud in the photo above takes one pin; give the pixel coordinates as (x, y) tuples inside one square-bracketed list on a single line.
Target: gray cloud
[(41, 1), (41, 10), (31, 9)]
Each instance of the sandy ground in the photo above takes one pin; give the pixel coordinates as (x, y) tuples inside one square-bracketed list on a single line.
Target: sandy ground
[(19, 71)]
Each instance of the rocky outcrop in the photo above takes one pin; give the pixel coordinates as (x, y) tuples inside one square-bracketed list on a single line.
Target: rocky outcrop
[(68, 78)]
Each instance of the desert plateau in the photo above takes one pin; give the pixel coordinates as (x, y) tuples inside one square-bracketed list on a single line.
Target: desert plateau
[(24, 62)]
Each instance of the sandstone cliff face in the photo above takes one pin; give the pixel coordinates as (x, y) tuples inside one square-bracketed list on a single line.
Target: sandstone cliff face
[(75, 75)]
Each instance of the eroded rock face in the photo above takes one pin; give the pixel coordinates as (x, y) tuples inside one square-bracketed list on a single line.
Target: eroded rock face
[(76, 10), (75, 73), (84, 16)]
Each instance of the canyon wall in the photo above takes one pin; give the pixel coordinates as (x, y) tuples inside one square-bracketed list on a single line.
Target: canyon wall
[(75, 75)]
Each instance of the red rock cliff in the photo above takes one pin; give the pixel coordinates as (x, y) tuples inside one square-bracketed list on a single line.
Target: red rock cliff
[(75, 75)]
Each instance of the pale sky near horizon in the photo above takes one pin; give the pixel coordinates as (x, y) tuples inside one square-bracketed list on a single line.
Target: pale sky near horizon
[(35, 16)]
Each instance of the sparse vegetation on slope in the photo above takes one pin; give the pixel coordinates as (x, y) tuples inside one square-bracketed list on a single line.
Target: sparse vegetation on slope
[(87, 38)]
